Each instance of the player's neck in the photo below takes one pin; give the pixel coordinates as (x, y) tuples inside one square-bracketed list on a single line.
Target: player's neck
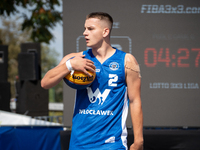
[(103, 53)]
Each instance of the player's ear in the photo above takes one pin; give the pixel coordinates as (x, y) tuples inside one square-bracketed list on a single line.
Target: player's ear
[(106, 32)]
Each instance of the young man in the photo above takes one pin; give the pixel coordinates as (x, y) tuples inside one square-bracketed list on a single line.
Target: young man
[(101, 109)]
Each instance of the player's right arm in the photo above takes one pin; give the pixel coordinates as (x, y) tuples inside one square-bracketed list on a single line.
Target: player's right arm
[(55, 75)]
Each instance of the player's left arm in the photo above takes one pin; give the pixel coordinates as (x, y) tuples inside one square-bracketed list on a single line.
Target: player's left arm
[(133, 80)]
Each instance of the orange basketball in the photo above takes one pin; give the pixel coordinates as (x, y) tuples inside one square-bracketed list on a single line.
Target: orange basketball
[(79, 80)]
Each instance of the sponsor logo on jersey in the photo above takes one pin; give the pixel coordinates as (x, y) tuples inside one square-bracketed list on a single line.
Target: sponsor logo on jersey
[(96, 112), (110, 140), (98, 70), (97, 95), (114, 66)]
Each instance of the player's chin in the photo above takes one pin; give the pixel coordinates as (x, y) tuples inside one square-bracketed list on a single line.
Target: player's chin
[(88, 45), (91, 45)]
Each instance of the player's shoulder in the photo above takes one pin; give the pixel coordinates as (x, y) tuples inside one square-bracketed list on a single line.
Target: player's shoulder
[(132, 65), (68, 56), (129, 58)]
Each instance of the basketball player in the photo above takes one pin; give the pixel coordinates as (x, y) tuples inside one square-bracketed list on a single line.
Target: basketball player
[(101, 109)]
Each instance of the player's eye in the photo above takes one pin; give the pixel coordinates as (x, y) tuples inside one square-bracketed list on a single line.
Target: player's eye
[(90, 28)]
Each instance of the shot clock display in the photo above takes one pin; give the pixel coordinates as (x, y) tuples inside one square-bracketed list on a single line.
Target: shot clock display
[(171, 83), (181, 58)]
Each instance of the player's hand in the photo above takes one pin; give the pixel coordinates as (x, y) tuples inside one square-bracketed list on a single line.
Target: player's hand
[(136, 147), (80, 63)]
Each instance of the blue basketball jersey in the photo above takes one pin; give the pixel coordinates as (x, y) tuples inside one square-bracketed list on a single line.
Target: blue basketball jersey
[(99, 120)]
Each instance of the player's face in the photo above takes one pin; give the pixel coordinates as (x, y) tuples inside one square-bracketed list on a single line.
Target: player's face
[(93, 32)]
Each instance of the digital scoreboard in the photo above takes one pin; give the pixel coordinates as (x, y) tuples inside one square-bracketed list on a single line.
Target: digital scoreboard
[(164, 37)]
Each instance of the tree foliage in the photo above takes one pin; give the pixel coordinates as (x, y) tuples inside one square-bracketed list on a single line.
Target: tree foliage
[(42, 16), (11, 35), (49, 61)]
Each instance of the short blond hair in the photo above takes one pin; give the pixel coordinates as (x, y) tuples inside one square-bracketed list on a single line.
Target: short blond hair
[(102, 16)]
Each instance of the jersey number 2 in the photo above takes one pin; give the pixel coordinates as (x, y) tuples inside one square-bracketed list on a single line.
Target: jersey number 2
[(113, 79)]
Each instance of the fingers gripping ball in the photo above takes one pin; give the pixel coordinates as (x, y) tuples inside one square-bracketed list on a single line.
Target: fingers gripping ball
[(79, 80)]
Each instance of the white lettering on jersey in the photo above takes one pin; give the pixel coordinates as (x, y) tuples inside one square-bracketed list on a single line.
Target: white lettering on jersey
[(113, 79), (110, 140), (96, 112), (97, 95)]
